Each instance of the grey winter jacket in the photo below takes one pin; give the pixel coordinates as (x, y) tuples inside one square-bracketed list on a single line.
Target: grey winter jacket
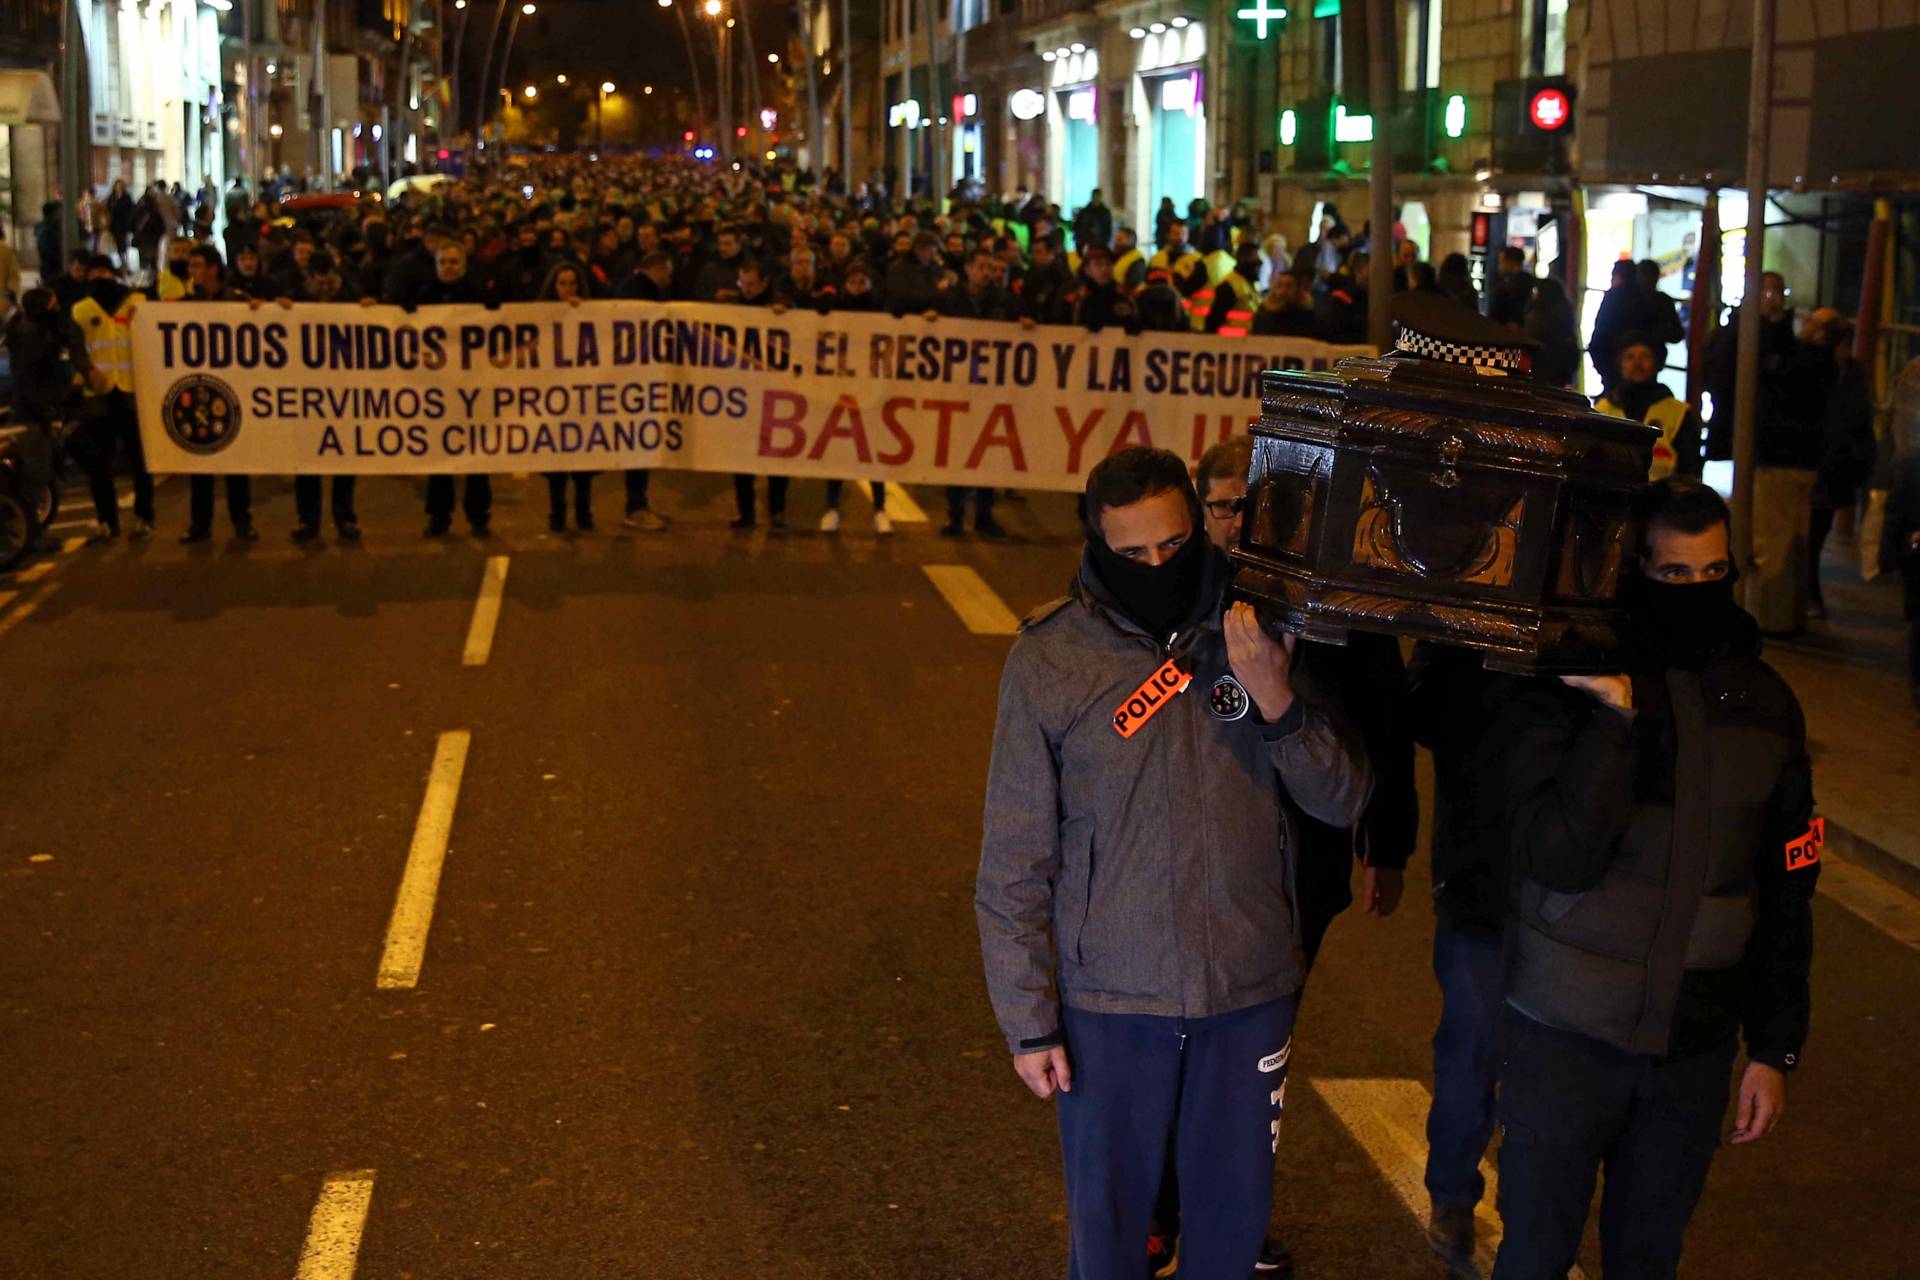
[(1149, 874)]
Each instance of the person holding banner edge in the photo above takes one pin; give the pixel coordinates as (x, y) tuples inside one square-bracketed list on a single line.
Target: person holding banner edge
[(207, 275)]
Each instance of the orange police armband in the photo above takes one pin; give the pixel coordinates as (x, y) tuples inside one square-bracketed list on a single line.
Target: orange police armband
[(1145, 702), (1804, 849)]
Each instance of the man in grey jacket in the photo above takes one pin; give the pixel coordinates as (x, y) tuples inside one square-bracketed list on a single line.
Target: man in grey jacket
[(1135, 898)]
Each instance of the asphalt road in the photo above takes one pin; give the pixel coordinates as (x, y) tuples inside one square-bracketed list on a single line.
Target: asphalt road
[(701, 995)]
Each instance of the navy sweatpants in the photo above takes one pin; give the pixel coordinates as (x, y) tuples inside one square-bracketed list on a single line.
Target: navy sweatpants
[(1214, 1087)]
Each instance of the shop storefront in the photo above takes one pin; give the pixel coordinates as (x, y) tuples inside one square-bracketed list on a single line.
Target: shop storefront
[(1073, 126), (29, 127), (1170, 115)]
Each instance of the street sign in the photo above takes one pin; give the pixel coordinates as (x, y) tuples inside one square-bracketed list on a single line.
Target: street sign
[(1261, 13)]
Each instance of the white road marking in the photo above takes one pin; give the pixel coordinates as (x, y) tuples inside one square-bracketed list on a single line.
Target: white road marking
[(1878, 902), (25, 611), (900, 503), (34, 572), (968, 593), (333, 1233), (486, 613), (1388, 1118), (406, 946)]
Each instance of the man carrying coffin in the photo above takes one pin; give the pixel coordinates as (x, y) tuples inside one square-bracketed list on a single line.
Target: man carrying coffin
[(1137, 920)]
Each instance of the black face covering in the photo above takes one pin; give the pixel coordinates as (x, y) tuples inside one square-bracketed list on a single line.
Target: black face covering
[(179, 269), (1158, 597), (108, 293), (1687, 624)]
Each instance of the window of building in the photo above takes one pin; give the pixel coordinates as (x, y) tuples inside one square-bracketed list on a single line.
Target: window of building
[(968, 14), (1326, 44)]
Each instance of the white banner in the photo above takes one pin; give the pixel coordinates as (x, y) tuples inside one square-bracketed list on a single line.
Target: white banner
[(607, 385)]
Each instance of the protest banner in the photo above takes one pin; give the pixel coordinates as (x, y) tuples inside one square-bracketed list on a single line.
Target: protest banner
[(336, 389)]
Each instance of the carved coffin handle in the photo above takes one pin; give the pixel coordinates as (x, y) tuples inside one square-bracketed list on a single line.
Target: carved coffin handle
[(1448, 477)]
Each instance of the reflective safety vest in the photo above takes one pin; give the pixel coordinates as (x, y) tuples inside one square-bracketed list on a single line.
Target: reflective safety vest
[(1246, 302), (169, 287), (1669, 415), (1124, 265), (109, 341)]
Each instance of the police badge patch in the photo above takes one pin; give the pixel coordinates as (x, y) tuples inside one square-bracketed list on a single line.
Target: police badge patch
[(1228, 699), (201, 414)]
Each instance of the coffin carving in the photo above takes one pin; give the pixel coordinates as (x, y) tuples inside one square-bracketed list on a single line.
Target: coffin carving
[(1444, 502)]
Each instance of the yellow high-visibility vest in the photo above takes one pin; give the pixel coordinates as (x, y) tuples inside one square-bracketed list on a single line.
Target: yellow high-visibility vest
[(109, 339), (1669, 415)]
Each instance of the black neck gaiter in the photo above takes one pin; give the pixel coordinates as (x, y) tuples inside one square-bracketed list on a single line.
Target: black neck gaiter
[(1687, 624), (1158, 597)]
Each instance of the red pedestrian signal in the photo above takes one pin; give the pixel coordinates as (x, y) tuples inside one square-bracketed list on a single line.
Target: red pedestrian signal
[(1550, 110)]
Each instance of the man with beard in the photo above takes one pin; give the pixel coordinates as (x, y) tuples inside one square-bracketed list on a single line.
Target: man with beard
[(1665, 853), (1640, 395), (519, 272), (323, 282), (209, 285), (1099, 301), (452, 283), (104, 318), (1148, 730), (718, 278)]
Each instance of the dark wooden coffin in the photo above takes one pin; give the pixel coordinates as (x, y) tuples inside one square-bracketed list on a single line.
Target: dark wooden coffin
[(1442, 502)]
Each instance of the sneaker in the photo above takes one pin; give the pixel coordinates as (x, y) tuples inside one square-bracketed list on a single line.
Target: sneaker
[(246, 533), (742, 523), (989, 528), (1163, 1256), (953, 529), (557, 523), (349, 531), (1450, 1234), (141, 528), (585, 522), (101, 531), (481, 528), (777, 521), (192, 536), (1275, 1259), (830, 522), (646, 521), (306, 533), (883, 524), (437, 528)]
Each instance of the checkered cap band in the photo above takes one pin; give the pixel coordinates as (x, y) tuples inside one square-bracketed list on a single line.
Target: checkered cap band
[(1476, 355)]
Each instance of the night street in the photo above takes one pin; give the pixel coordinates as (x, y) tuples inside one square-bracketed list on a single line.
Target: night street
[(701, 992)]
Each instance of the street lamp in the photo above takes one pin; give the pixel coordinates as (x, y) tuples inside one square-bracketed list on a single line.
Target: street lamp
[(774, 58), (561, 78), (648, 90), (513, 28), (600, 115), (531, 91), (693, 58)]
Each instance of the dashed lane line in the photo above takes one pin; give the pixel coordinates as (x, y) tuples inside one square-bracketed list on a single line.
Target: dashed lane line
[(900, 503), (25, 610), (333, 1233), (34, 572), (1880, 903), (486, 613), (1388, 1118), (406, 945), (967, 592)]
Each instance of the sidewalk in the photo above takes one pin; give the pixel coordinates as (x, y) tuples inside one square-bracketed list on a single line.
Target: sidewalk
[(1850, 674)]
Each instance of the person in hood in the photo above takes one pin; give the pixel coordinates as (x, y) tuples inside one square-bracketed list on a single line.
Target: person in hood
[(1641, 396), (1152, 753), (104, 319), (1664, 852)]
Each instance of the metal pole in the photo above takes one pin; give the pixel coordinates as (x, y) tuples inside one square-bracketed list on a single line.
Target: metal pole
[(506, 58), (906, 161), (1380, 179), (846, 98), (72, 64), (938, 179), (453, 83), (723, 77), (751, 105), (486, 65), (700, 117), (1746, 392), (816, 139)]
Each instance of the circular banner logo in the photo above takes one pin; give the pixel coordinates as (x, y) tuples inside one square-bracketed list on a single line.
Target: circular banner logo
[(201, 414)]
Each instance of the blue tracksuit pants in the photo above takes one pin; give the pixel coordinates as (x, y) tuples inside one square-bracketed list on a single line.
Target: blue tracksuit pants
[(1213, 1088)]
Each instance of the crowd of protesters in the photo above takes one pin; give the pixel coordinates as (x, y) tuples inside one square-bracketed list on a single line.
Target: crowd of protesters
[(666, 229)]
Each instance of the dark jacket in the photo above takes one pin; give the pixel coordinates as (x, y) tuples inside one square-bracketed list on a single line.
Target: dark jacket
[(1454, 703), (1283, 322), (911, 285), (1847, 445), (992, 304), (1100, 306), (1366, 679), (1662, 883), (1508, 296), (1148, 874), (1092, 225), (45, 353)]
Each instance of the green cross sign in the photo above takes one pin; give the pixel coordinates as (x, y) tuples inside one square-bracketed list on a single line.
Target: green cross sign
[(1260, 13)]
